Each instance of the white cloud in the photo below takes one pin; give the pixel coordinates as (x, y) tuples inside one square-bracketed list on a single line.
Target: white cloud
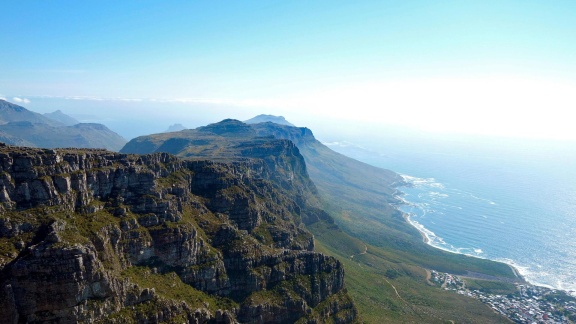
[(2, 98), (21, 100)]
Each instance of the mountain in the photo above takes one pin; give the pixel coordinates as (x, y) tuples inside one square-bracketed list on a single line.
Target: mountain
[(371, 238), (61, 117), (46, 136), (268, 118), (230, 140), (361, 197), (8, 138), (95, 236), (175, 128), (369, 189), (363, 200), (19, 126), (10, 112)]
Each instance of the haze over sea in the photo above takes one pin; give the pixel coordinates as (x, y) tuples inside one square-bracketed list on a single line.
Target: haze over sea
[(502, 199)]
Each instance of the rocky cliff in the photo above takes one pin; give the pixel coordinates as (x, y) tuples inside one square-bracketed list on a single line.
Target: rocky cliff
[(91, 235)]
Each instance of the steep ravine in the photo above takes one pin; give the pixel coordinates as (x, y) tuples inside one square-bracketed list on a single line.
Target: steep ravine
[(96, 236)]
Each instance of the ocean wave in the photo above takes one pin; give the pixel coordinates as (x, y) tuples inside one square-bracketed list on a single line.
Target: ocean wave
[(541, 277), (439, 190), (427, 202), (473, 196), (422, 182), (438, 242), (436, 194)]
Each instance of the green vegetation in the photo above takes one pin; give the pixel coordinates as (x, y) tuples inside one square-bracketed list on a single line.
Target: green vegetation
[(559, 295), (146, 311), (174, 178), (340, 298), (263, 297), (262, 234), (491, 287), (88, 225), (170, 286), (404, 297)]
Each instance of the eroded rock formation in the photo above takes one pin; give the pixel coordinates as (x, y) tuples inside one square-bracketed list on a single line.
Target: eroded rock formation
[(91, 235)]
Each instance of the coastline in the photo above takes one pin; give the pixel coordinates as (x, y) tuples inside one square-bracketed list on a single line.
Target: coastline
[(520, 272), (521, 279), (426, 239), (516, 272)]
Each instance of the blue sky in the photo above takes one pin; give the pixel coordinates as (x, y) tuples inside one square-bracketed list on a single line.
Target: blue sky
[(436, 65)]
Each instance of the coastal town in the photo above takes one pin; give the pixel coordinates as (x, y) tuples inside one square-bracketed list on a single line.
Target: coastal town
[(528, 304)]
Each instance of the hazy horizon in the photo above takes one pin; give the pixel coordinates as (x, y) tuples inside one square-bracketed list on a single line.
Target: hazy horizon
[(496, 68)]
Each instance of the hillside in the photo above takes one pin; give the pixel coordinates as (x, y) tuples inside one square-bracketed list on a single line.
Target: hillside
[(79, 135), (361, 199), (92, 235), (10, 112), (22, 127)]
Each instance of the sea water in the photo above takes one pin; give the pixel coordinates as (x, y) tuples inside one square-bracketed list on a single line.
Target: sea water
[(506, 200)]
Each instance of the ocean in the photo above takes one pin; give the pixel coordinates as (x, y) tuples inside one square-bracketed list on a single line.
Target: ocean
[(502, 199)]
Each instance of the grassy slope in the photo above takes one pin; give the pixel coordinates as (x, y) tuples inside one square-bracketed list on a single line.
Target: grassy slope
[(370, 277), (361, 198), (391, 244)]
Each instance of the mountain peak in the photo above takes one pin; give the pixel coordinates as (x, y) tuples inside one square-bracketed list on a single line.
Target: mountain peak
[(61, 117), (175, 128), (228, 127), (10, 112), (20, 126), (269, 118)]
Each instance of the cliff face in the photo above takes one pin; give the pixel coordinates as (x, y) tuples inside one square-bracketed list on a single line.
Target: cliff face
[(91, 235)]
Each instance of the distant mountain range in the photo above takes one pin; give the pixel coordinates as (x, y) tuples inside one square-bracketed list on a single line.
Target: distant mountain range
[(175, 128), (22, 127), (268, 118), (10, 112), (61, 117)]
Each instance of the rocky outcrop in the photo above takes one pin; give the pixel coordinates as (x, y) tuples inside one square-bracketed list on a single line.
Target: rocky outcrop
[(90, 235)]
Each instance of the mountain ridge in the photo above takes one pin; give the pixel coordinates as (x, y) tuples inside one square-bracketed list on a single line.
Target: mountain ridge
[(10, 112), (361, 203), (20, 126), (269, 118), (61, 117)]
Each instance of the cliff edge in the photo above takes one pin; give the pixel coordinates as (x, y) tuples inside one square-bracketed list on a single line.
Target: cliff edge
[(91, 235)]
